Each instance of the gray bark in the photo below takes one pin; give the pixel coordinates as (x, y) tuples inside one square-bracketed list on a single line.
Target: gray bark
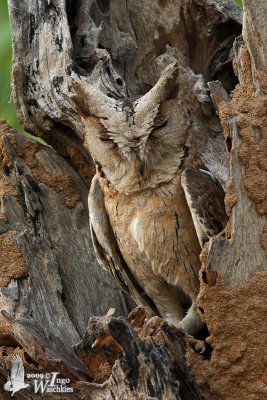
[(245, 252), (64, 286)]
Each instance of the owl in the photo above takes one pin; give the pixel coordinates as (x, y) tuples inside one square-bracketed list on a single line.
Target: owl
[(152, 203)]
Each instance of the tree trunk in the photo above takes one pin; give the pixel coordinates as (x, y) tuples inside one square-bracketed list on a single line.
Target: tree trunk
[(233, 288), (71, 62)]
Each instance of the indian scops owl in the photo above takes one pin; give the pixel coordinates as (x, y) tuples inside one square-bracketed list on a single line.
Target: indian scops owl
[(151, 207)]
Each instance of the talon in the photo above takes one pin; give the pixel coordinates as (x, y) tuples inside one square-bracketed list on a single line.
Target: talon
[(199, 346), (153, 324)]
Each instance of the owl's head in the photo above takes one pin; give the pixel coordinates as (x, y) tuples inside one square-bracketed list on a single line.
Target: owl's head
[(135, 142), (132, 135), (138, 151)]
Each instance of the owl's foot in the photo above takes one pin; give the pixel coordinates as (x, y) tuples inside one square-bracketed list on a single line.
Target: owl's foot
[(153, 325), (192, 323), (198, 345)]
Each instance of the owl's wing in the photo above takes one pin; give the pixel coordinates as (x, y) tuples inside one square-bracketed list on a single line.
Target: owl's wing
[(107, 250), (205, 198)]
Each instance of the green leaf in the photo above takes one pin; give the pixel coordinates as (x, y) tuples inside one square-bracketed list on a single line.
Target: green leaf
[(7, 109), (239, 2)]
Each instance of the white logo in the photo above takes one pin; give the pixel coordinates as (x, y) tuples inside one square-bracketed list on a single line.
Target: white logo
[(50, 383), (16, 381)]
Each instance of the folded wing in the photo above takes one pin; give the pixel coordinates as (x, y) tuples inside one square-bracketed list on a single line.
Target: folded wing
[(107, 250), (205, 198)]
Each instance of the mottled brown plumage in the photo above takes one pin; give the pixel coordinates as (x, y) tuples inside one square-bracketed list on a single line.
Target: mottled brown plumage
[(205, 197), (148, 221)]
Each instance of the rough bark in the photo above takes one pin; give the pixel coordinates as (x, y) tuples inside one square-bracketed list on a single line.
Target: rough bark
[(152, 368), (69, 70), (50, 281)]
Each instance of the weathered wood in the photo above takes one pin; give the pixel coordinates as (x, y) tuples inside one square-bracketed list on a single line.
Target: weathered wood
[(246, 197), (255, 37), (49, 290), (232, 295), (150, 369)]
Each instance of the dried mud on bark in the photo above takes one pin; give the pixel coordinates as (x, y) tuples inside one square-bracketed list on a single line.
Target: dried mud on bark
[(236, 316)]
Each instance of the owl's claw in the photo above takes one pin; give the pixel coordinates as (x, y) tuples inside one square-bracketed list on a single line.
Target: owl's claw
[(153, 325), (199, 346)]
